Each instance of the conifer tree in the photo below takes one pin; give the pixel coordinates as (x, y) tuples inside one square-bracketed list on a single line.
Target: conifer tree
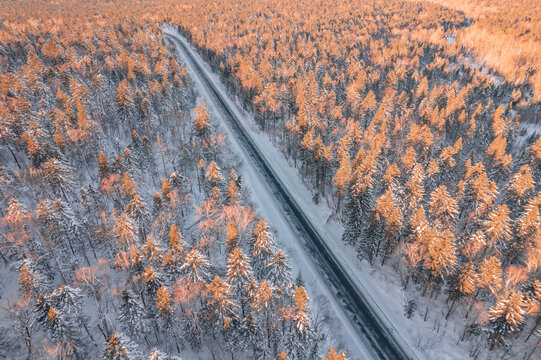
[(528, 225), (301, 305), (506, 316), (30, 278), (441, 254), (521, 184), (58, 175), (213, 175), (195, 266), (498, 225), (442, 206), (233, 194), (173, 258), (103, 166), (490, 274), (232, 237), (467, 279), (156, 354), (125, 230), (132, 315), (119, 347), (353, 227), (238, 269), (138, 211), (343, 174), (124, 100), (219, 301), (334, 355), (262, 244), (202, 120), (164, 303), (129, 187), (279, 269)]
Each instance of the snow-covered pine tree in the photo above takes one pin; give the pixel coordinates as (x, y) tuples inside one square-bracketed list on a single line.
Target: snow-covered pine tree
[(239, 270), (132, 315), (120, 347), (262, 244), (506, 316), (354, 222), (195, 266), (232, 236), (279, 269)]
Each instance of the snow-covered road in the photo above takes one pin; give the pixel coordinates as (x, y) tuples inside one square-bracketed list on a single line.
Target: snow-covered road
[(364, 329)]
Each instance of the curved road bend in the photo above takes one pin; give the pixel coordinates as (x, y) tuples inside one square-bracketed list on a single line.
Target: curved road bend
[(379, 334)]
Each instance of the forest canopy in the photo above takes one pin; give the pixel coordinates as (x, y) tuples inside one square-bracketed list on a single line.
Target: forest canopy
[(126, 231)]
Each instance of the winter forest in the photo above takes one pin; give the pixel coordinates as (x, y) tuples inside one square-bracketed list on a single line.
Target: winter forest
[(128, 230)]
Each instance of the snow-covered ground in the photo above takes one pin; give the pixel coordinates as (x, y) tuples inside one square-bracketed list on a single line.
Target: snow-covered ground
[(434, 338)]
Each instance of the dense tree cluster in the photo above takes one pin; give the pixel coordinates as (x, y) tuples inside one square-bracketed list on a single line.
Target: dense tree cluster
[(505, 36), (431, 162), (127, 229)]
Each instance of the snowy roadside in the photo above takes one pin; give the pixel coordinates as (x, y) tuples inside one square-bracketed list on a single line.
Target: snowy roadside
[(381, 284)]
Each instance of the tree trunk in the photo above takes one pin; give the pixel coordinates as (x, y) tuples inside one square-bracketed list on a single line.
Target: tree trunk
[(14, 157), (451, 309), (533, 350), (537, 321), (469, 309)]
